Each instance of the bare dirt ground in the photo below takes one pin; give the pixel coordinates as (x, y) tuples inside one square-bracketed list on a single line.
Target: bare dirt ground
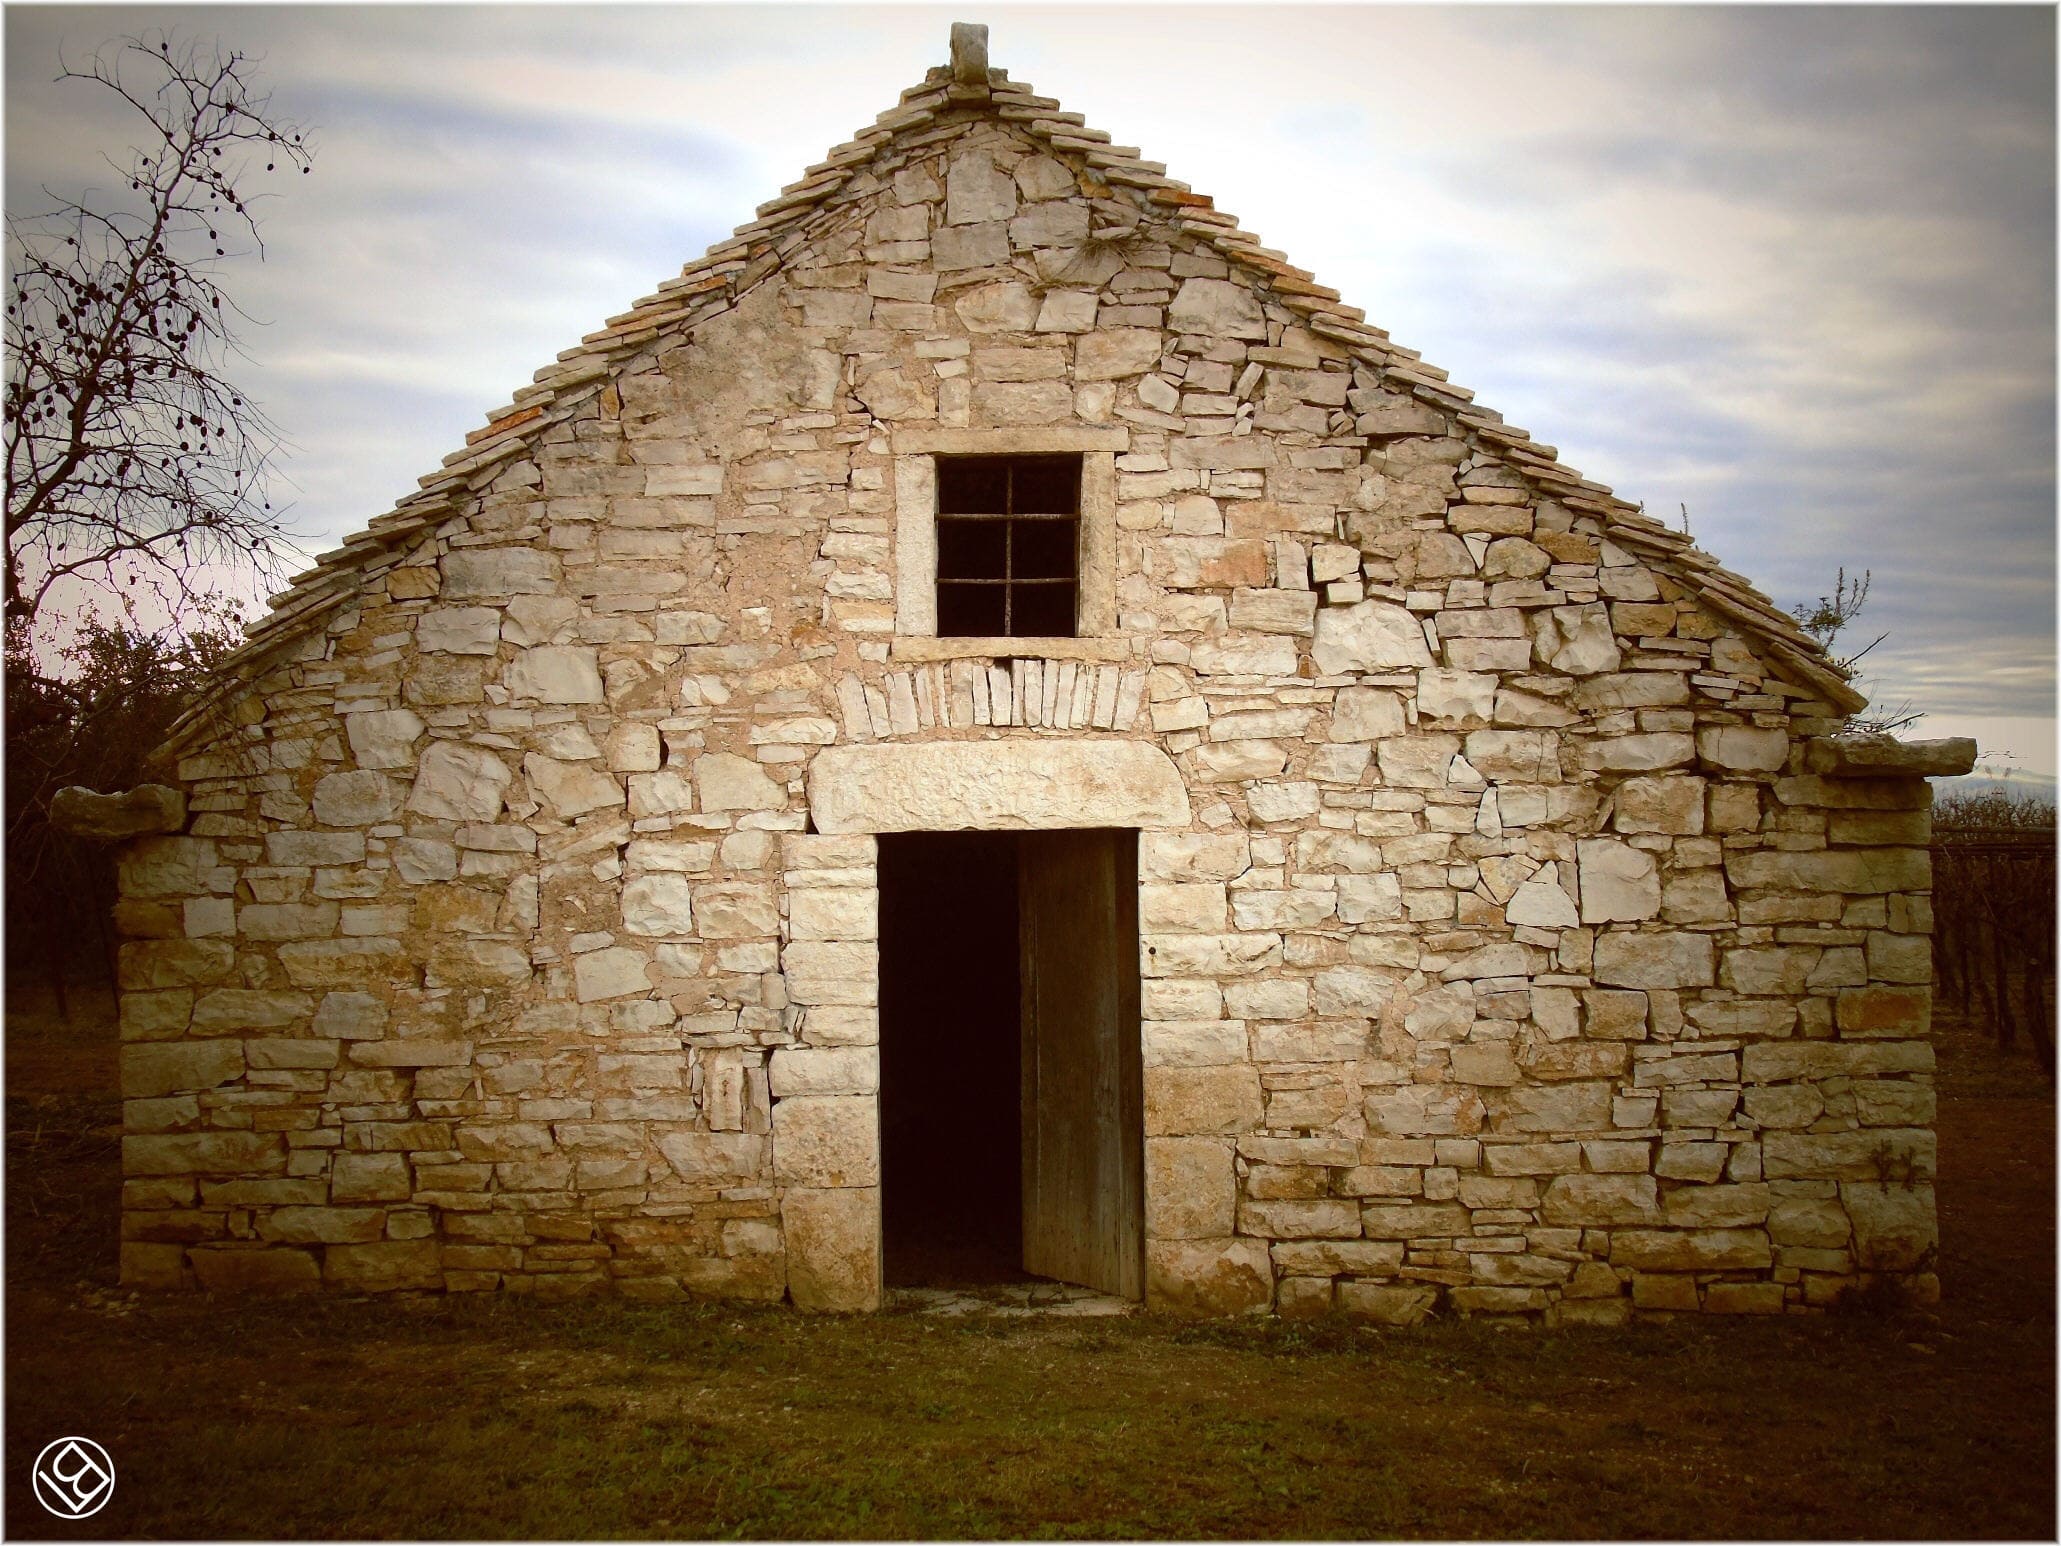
[(502, 1417)]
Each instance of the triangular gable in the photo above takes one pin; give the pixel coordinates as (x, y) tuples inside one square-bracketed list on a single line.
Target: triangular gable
[(717, 280)]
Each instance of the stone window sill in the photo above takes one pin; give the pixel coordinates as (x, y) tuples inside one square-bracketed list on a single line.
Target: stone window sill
[(1002, 647)]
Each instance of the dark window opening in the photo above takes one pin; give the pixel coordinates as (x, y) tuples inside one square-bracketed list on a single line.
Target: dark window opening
[(1008, 545)]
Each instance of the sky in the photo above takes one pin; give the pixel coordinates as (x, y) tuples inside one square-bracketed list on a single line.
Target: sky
[(1789, 268)]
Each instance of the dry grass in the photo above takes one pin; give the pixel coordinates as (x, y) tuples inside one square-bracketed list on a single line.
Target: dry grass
[(500, 1417)]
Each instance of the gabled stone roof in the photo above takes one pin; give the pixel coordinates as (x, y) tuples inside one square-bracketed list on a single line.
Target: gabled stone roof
[(719, 278)]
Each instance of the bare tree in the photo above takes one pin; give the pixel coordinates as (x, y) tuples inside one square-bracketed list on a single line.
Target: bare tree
[(1829, 617), (134, 466)]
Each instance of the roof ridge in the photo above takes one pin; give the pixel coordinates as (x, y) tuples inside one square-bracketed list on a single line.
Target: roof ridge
[(717, 280)]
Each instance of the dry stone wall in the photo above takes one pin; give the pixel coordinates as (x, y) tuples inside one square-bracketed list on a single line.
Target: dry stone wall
[(1509, 959)]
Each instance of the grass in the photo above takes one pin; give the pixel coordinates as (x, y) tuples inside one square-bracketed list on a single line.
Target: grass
[(498, 1417)]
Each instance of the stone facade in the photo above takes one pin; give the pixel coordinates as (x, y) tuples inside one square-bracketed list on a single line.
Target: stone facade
[(1504, 948)]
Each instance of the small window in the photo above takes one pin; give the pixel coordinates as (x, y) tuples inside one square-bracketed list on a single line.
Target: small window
[(1008, 545)]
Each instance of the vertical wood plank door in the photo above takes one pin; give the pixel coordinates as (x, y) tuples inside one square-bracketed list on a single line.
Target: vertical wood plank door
[(1083, 1109)]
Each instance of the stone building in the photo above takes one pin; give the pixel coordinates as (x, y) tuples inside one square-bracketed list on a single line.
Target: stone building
[(993, 721)]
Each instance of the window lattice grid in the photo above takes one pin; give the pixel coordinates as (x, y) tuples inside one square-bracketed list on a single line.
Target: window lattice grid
[(1008, 541)]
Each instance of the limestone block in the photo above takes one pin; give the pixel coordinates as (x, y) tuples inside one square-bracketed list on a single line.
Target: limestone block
[(495, 574), (1641, 753), (825, 913), (1006, 785), (1719, 1207), (173, 963), (1369, 898), (1882, 756), (165, 866), (1421, 761), (658, 905), (1274, 611), (1191, 1188), (1366, 714), (383, 738), (338, 963), (1868, 1154), (1291, 801), (1228, 1276), (1387, 1304), (1813, 1222), (1008, 307), (1455, 697), (570, 789), (1217, 1099), (356, 799), (1742, 748), (1423, 1110), (977, 190), (832, 1237), (1372, 636), (1216, 307), (1690, 1250), (1324, 1218), (1744, 1299), (827, 1140), (1619, 883), (99, 817), (1193, 1043), (824, 1071), (1542, 902), (1110, 354), (716, 1158), (1414, 1220), (369, 1178), (248, 1009), (1353, 990), (737, 910), (306, 848), (634, 748), (350, 1017), (1665, 804), (459, 630), (385, 1266), (1894, 1103), (169, 1067), (1576, 640), (240, 1270), (1486, 1063), (322, 1226), (1514, 756), (611, 973), (555, 673), (413, 1052), (666, 792), (1661, 960), (1884, 1011), (457, 782), (1067, 311), (223, 1153), (1573, 1107)]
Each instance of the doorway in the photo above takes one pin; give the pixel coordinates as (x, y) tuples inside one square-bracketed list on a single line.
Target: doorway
[(1010, 1101)]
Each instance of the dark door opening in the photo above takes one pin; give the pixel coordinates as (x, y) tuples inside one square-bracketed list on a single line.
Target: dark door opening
[(1011, 1107), (950, 1052)]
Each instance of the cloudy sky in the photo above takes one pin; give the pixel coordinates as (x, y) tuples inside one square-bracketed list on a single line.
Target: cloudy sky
[(1790, 268)]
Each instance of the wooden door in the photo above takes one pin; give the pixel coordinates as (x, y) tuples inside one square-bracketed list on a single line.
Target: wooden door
[(1083, 1108)]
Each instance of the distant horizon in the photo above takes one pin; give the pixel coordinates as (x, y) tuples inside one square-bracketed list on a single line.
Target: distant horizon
[(1809, 296)]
